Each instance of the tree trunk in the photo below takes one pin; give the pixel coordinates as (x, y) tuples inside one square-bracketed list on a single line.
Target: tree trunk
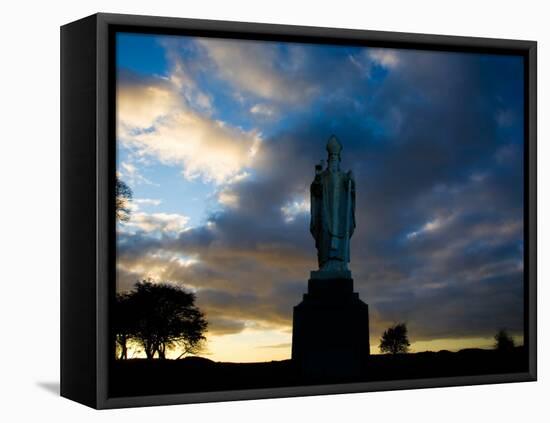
[(149, 350), (121, 340), (124, 349), (162, 351)]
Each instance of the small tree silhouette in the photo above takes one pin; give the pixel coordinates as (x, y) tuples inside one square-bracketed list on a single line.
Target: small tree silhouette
[(395, 340), (503, 341), (123, 196)]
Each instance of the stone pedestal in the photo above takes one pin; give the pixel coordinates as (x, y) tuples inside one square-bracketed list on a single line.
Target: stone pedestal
[(330, 335)]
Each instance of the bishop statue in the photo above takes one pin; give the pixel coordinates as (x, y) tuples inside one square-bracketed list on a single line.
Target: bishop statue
[(332, 211)]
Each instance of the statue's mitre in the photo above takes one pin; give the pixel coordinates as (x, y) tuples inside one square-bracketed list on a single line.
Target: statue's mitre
[(334, 146)]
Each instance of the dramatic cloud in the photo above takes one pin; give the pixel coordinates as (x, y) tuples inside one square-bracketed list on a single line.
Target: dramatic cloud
[(294, 208), (265, 70), (154, 118), (263, 110), (385, 57), (158, 222)]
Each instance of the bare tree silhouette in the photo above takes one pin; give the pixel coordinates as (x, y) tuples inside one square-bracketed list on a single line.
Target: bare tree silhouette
[(123, 197), (395, 340)]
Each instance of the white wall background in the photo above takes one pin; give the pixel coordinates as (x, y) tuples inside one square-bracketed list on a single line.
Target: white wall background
[(29, 224)]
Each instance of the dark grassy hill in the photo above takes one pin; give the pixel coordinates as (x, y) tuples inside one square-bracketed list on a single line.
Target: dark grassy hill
[(196, 374)]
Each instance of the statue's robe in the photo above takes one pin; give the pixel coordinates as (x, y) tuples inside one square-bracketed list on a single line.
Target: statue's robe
[(332, 217)]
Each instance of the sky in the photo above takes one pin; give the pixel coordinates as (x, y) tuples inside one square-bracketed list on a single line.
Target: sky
[(218, 140)]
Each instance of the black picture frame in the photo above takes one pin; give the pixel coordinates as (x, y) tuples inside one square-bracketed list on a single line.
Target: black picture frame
[(87, 195)]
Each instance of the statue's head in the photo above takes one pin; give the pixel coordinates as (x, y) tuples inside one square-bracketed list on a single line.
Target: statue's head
[(334, 148)]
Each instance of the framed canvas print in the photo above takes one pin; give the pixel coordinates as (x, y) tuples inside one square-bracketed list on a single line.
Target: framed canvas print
[(257, 211)]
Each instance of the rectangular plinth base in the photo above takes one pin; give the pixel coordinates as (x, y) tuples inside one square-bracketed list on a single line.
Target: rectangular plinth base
[(330, 336)]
